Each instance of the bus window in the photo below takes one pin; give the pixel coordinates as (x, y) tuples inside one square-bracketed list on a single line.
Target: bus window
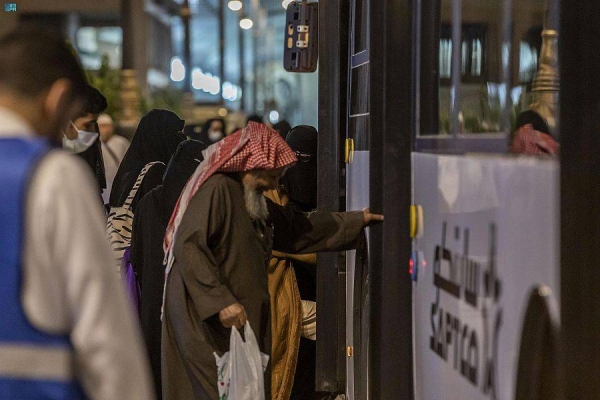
[(461, 86), (535, 94), (361, 30), (480, 88), (358, 87), (435, 66), (472, 96)]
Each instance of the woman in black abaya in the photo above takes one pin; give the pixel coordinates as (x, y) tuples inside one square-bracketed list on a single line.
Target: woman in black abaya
[(156, 138), (149, 225)]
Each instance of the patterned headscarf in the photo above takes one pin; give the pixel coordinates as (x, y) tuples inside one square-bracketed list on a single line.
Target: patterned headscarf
[(527, 140), (254, 147)]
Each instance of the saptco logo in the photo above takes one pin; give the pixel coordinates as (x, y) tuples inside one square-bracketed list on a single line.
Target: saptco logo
[(471, 350)]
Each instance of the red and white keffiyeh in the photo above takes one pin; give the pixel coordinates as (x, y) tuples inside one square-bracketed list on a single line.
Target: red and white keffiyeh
[(529, 141), (254, 147)]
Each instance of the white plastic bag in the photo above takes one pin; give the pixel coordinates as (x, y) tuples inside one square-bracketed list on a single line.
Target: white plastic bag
[(240, 371)]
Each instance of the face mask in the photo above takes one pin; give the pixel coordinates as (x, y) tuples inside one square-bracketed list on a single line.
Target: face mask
[(215, 135), (80, 144)]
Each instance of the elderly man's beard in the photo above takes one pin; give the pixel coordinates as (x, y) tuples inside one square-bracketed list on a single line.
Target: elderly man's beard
[(256, 204)]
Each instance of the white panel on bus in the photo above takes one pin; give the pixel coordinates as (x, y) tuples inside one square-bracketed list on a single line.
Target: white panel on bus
[(491, 235), (357, 197)]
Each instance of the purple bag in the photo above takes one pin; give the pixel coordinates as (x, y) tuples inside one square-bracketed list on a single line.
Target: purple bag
[(131, 283)]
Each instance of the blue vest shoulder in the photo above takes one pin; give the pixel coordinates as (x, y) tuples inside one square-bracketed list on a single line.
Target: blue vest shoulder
[(42, 354)]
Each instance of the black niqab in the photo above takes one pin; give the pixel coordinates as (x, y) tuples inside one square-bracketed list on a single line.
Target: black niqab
[(283, 127), (155, 139), (300, 181), (184, 162)]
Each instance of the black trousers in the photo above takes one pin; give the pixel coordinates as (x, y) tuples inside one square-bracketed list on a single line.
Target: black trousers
[(304, 380)]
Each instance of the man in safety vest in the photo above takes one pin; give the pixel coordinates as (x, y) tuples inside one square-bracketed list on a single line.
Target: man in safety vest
[(67, 331)]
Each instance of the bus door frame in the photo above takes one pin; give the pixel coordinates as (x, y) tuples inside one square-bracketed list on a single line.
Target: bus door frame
[(580, 197)]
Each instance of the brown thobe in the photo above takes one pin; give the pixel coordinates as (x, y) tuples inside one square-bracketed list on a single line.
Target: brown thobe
[(221, 258)]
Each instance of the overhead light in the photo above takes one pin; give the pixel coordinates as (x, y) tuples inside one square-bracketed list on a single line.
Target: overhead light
[(274, 117), (230, 91), (223, 112), (197, 79), (286, 3), (235, 5), (177, 70), (246, 23)]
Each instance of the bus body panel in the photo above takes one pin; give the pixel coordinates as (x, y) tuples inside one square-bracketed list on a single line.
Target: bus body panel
[(490, 236), (357, 197)]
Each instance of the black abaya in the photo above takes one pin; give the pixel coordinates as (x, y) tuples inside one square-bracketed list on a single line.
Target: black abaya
[(156, 138), (149, 225)]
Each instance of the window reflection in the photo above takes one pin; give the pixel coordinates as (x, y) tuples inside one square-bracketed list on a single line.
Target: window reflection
[(472, 52), (529, 46), (498, 59), (445, 58), (535, 113), (505, 90), (361, 29), (94, 43), (528, 57)]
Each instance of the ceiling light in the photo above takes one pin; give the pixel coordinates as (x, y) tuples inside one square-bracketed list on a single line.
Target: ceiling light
[(274, 117), (177, 70), (246, 23), (235, 5)]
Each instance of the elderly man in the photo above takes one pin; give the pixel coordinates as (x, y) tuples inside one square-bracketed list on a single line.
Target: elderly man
[(217, 246)]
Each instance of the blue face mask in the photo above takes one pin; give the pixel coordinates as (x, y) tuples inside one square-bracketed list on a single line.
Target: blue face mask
[(84, 141)]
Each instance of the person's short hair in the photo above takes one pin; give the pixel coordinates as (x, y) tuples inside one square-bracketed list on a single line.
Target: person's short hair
[(32, 59), (95, 102), (533, 118)]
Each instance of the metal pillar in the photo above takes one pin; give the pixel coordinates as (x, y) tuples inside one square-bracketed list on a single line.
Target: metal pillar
[(428, 47), (242, 64), (580, 191), (186, 14), (127, 29), (391, 125), (333, 82), (221, 49), (255, 59), (129, 87)]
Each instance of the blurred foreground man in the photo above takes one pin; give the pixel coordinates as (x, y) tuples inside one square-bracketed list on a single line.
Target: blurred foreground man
[(217, 246), (67, 331)]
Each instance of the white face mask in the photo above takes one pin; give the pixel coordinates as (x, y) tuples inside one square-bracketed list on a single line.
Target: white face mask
[(80, 144), (215, 135)]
